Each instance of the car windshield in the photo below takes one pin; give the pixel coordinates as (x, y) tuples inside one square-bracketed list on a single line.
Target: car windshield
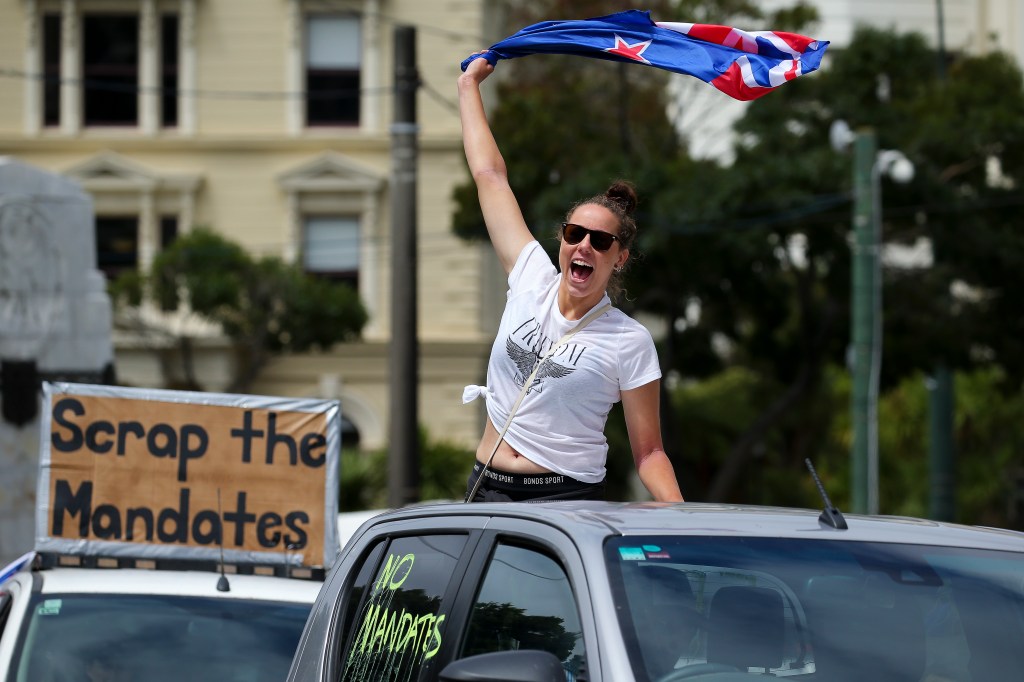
[(112, 637), (715, 608)]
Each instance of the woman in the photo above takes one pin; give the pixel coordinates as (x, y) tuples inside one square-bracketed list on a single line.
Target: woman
[(554, 446)]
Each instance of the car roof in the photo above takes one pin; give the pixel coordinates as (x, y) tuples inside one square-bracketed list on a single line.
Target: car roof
[(183, 583), (601, 519)]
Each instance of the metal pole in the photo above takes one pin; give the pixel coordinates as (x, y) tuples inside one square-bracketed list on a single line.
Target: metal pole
[(874, 378), (865, 253), (403, 454), (942, 505)]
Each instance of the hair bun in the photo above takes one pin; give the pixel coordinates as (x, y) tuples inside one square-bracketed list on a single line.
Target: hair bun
[(623, 193)]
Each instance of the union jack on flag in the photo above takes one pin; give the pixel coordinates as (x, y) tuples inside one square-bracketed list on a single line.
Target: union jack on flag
[(743, 64)]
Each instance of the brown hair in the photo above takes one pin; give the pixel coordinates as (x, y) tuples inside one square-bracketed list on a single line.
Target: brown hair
[(621, 199)]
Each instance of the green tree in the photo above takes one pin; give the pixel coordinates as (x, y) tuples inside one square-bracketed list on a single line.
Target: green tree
[(444, 470), (263, 305), (961, 309)]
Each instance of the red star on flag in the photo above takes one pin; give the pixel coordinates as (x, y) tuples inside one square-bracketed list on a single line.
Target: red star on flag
[(624, 49)]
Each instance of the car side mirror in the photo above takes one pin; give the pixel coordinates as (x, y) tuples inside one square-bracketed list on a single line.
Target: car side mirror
[(525, 665)]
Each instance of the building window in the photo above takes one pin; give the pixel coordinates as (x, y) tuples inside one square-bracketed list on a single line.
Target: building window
[(169, 70), (117, 244), (111, 53), (330, 248), (332, 70), (110, 68), (51, 69), (168, 230)]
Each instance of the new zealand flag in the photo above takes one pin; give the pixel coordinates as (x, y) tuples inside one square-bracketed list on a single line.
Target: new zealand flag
[(744, 65)]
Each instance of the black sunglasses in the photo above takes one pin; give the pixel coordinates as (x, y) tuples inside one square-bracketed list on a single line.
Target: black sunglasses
[(574, 234)]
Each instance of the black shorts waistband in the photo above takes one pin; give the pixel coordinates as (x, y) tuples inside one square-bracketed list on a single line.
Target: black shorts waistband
[(508, 478), (506, 485)]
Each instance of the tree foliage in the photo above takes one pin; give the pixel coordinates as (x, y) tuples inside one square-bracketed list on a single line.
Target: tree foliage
[(444, 471), (263, 305)]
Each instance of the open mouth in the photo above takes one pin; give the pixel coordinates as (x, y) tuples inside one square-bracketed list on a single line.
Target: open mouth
[(580, 270)]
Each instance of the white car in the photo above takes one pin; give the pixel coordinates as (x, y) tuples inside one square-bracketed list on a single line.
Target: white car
[(89, 624)]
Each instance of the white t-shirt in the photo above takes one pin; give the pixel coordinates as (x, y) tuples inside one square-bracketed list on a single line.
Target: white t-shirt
[(560, 423)]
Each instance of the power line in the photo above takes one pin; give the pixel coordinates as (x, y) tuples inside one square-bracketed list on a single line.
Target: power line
[(108, 86), (198, 93)]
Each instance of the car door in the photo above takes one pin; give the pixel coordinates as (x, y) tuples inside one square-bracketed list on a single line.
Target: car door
[(391, 605), (413, 596), (525, 590)]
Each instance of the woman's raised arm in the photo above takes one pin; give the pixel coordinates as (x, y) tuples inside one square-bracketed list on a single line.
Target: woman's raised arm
[(504, 219)]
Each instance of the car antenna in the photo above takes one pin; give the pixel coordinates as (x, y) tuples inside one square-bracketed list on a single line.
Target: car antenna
[(222, 583), (288, 546), (830, 516)]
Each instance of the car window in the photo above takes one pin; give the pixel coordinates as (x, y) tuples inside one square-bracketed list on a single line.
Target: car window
[(157, 638), (526, 601), (838, 611), (400, 624), (359, 585)]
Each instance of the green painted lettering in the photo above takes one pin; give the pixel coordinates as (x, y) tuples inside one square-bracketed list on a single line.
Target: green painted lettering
[(407, 626), (393, 568), (386, 625), (394, 626), (367, 628), (385, 575), (406, 561), (426, 622), (437, 639)]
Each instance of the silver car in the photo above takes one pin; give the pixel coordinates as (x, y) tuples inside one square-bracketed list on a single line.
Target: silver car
[(616, 592)]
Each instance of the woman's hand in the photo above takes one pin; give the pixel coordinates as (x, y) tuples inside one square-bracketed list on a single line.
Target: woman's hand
[(477, 70)]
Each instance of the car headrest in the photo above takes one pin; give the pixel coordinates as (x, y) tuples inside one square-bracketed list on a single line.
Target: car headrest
[(746, 627)]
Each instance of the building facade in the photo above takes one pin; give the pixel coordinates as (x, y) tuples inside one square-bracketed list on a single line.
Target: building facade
[(268, 121)]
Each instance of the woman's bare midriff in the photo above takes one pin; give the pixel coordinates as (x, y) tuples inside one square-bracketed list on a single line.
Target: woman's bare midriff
[(505, 458)]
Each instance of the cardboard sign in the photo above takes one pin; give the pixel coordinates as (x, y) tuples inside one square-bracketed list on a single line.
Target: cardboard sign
[(178, 474)]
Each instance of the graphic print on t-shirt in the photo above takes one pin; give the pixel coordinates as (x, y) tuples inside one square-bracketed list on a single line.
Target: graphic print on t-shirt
[(525, 361), (536, 344)]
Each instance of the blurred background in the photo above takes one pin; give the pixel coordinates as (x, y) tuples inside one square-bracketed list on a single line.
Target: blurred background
[(829, 271)]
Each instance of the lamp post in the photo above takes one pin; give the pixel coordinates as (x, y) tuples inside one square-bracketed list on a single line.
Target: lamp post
[(866, 304)]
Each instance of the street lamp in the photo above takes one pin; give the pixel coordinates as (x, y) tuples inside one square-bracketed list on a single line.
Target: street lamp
[(866, 305)]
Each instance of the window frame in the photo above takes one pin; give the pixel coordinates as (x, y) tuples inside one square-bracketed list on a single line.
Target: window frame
[(514, 596), (112, 272), (51, 45), (374, 544), (99, 72), (542, 538), (169, 72), (121, 188), (334, 184), (58, 101), (348, 276), (310, 72)]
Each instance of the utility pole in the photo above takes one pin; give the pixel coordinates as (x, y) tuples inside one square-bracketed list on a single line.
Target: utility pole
[(403, 453), (942, 488), (863, 322)]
